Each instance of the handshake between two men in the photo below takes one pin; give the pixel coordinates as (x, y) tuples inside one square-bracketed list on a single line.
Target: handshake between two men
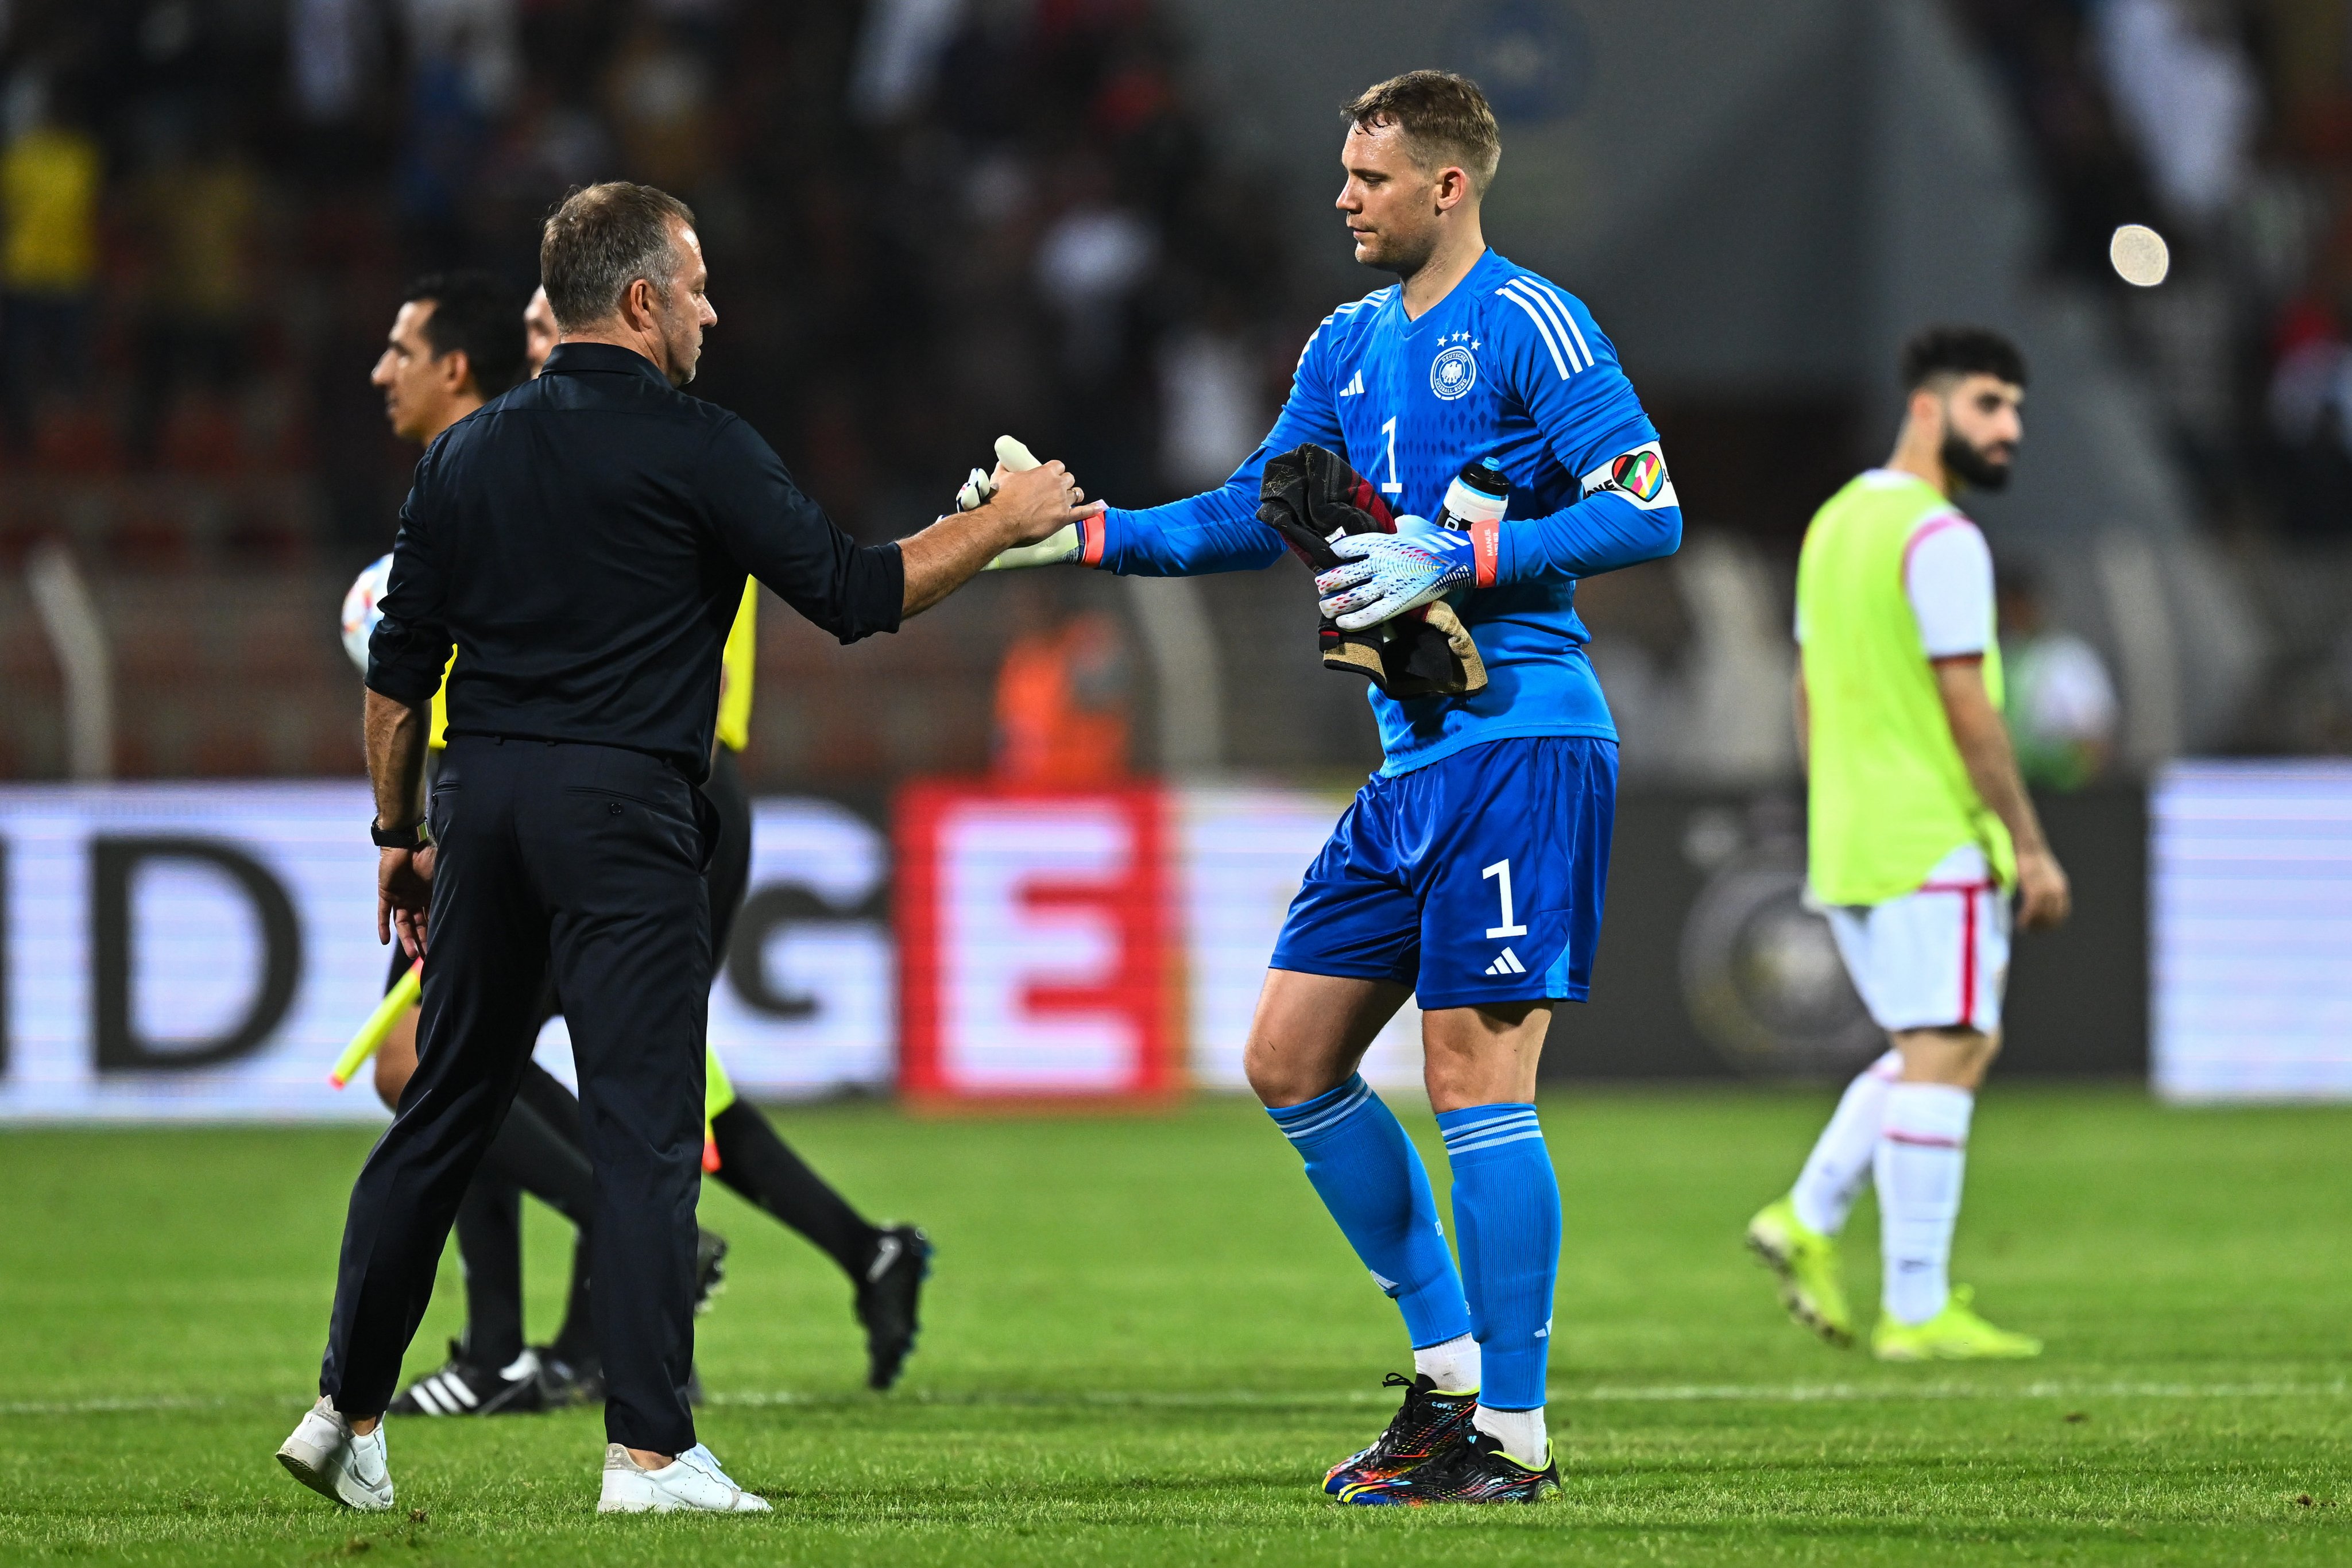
[(1382, 582)]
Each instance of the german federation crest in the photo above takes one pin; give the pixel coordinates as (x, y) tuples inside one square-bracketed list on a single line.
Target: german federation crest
[(1453, 373)]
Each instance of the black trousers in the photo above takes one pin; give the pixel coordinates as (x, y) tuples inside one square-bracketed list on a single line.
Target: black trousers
[(584, 861), (534, 1150), (540, 1149)]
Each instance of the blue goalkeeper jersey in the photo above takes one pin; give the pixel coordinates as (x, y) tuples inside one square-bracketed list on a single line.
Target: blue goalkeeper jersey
[(1506, 367)]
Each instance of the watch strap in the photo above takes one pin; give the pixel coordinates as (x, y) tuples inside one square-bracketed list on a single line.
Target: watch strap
[(411, 837)]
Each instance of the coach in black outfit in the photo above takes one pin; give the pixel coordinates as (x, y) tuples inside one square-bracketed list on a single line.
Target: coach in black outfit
[(585, 538)]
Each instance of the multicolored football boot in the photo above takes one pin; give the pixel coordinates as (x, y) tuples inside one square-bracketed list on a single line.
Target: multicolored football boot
[(1428, 1423), (1474, 1469)]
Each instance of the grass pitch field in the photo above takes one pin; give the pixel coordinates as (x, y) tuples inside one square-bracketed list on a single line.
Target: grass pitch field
[(1145, 1342)]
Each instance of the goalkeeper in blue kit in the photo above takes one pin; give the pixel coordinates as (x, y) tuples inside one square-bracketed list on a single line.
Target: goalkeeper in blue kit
[(1471, 867)]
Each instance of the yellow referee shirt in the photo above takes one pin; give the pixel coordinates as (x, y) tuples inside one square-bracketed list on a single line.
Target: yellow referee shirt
[(735, 672)]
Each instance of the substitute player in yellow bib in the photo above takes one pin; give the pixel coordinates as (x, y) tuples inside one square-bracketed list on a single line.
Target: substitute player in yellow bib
[(1920, 834)]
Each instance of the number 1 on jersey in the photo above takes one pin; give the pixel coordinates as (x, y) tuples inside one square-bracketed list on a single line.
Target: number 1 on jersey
[(1395, 486), (1502, 871)]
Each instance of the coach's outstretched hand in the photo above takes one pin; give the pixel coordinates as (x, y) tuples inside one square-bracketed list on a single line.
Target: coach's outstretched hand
[(1036, 502), (1064, 544), (1026, 506)]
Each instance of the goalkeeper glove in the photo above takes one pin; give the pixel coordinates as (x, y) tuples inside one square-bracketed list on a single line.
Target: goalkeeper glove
[(1318, 504), (1064, 544), (1382, 575)]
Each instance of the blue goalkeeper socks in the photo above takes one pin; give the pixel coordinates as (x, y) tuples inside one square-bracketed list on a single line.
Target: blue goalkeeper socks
[(1507, 1219), (1371, 1179)]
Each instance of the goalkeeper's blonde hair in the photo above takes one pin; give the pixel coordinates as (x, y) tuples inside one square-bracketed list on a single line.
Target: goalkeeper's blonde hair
[(1444, 119)]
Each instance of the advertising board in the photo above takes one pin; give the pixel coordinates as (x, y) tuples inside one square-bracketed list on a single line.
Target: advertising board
[(204, 951), (2250, 931)]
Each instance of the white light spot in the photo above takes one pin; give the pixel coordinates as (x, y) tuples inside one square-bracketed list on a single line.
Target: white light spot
[(2141, 257)]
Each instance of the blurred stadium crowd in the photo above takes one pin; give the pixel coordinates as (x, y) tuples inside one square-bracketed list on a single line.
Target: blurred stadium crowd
[(929, 219)]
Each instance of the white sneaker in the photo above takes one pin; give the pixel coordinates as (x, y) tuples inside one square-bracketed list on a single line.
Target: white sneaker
[(691, 1481), (326, 1456)]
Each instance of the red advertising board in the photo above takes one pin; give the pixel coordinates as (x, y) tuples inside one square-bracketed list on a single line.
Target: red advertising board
[(1036, 956)]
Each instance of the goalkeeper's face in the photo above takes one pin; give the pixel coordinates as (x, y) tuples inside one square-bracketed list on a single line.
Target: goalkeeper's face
[(1395, 208)]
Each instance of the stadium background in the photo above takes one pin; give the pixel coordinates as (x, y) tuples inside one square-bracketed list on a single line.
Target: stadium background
[(1104, 224)]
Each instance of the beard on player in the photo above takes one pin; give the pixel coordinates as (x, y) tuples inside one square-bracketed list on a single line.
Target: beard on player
[(1984, 467)]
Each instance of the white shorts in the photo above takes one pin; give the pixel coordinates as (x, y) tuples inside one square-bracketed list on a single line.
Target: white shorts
[(1937, 958)]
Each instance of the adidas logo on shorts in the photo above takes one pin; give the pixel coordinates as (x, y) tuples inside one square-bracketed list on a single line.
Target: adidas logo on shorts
[(1508, 964)]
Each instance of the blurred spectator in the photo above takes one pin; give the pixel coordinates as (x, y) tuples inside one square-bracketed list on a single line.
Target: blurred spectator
[(463, 74), (898, 53), (478, 37), (336, 54), (199, 209), (1090, 262), (2308, 409), (662, 108), (2188, 96), (2040, 52), (1061, 693), (49, 186), (2062, 704), (332, 48), (1211, 413)]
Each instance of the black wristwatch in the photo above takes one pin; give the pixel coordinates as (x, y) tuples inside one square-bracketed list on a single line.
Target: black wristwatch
[(411, 837)]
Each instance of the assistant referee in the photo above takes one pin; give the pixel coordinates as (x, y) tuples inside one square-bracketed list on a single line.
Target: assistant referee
[(585, 536)]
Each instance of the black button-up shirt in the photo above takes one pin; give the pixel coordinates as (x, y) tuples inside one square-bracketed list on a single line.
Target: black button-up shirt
[(582, 540)]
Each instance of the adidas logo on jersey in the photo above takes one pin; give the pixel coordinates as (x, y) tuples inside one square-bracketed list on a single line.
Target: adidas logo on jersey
[(1508, 964), (1355, 387)]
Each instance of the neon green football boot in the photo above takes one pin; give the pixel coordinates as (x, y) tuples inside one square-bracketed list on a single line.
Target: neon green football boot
[(1956, 1333), (1807, 1262)]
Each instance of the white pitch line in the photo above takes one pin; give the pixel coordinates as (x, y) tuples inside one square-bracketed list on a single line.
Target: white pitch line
[(1660, 1394), (135, 1403), (1631, 1394)]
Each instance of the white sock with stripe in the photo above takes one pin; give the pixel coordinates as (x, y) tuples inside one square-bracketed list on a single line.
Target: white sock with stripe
[(1841, 1156), (1922, 1154)]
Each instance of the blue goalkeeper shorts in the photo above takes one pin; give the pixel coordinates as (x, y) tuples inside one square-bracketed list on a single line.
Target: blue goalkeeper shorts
[(1477, 879)]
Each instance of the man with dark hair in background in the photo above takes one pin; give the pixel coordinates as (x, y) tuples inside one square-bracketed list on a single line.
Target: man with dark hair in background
[(1919, 833), (585, 538)]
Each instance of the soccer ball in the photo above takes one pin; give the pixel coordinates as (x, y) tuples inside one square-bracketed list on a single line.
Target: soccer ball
[(359, 612)]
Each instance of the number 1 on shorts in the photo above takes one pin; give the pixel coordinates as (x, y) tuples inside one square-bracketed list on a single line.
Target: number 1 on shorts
[(1507, 928)]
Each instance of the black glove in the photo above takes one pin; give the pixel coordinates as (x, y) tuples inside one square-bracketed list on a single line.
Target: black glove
[(1311, 497)]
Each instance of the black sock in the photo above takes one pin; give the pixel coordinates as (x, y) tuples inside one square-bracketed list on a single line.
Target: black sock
[(532, 1154), (761, 1166), (490, 1240), (544, 1092), (575, 1342), (538, 1150)]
